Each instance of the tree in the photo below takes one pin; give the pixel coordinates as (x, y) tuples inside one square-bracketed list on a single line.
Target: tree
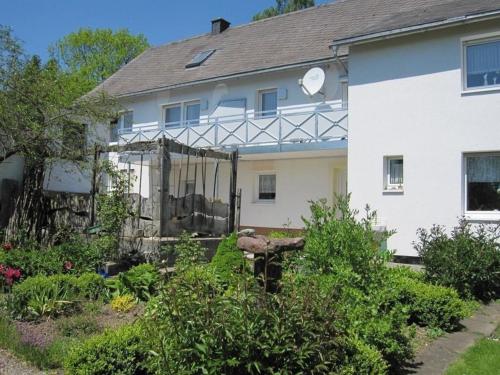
[(282, 7), (40, 107), (94, 55)]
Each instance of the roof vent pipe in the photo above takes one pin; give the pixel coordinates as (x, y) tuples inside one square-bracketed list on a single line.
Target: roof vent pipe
[(219, 25)]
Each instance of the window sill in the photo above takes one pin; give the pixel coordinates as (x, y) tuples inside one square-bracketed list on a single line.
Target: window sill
[(482, 216), (480, 90), (398, 191), (264, 202)]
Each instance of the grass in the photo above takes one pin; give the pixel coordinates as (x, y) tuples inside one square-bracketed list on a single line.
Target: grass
[(481, 359)]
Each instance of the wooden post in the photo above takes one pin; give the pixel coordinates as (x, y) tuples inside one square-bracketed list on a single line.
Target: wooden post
[(165, 166), (232, 191), (238, 210), (94, 187)]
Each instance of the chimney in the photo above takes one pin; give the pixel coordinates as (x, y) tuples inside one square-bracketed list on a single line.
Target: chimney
[(219, 25)]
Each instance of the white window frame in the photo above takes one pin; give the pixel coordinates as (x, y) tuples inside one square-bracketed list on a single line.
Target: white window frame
[(183, 108), (164, 117), (476, 215), (472, 40), (388, 187), (257, 187), (184, 112), (260, 111)]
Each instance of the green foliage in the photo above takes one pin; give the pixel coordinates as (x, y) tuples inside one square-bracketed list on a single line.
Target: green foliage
[(118, 352), (113, 208), (195, 327), (142, 281), (94, 55), (283, 6), (468, 259), (123, 303), (336, 238), (40, 108), (189, 252), (429, 305), (40, 295), (228, 260)]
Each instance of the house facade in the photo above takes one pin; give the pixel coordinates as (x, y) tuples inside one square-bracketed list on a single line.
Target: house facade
[(407, 120)]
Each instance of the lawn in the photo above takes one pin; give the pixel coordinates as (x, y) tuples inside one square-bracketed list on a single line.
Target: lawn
[(482, 359)]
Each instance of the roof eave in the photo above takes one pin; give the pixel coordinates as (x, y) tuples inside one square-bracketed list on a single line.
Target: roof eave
[(226, 77), (367, 38)]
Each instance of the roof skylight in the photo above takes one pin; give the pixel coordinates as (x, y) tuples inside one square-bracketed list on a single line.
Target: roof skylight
[(200, 58)]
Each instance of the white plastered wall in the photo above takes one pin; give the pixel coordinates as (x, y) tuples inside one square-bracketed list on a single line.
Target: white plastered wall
[(405, 99)]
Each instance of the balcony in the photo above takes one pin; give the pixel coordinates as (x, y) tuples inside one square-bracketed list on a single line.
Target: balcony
[(296, 126)]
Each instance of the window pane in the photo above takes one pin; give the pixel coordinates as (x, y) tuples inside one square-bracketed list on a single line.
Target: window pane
[(269, 103), (193, 114), (483, 64), (127, 121), (267, 186), (114, 130), (396, 171), (173, 116), (483, 183)]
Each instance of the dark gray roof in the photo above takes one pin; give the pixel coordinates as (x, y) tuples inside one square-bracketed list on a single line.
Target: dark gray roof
[(291, 39)]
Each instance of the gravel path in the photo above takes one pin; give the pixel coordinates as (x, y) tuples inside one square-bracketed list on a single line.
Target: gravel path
[(9, 365)]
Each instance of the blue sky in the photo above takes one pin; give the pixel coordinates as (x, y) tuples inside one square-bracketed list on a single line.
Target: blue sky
[(39, 23)]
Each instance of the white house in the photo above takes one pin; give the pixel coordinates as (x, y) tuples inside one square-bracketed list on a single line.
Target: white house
[(408, 119)]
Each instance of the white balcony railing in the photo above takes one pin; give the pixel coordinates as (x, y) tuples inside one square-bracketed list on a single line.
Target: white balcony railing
[(297, 125)]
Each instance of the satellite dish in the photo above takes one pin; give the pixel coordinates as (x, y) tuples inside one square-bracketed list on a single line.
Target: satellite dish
[(313, 81)]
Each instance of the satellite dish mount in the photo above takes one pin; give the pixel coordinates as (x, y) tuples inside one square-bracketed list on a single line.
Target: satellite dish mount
[(313, 82)]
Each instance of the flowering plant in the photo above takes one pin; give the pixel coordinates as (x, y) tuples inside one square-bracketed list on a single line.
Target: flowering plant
[(10, 275)]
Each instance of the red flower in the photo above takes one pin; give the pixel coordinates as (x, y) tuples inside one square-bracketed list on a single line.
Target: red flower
[(10, 274), (7, 246), (68, 265)]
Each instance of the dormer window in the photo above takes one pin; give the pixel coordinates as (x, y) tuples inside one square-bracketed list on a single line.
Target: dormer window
[(200, 58)]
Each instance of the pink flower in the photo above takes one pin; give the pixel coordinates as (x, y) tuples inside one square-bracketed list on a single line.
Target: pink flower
[(68, 265)]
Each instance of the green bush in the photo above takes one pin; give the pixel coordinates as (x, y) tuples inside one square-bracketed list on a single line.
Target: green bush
[(468, 259), (90, 286), (336, 238), (196, 328), (74, 257), (228, 260), (53, 295), (429, 305), (119, 352), (142, 281)]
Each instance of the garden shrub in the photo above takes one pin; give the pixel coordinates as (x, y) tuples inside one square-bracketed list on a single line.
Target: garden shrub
[(336, 238), (141, 281), (90, 286), (228, 260), (40, 295), (75, 256), (118, 351), (467, 259), (429, 305), (196, 328), (344, 252)]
